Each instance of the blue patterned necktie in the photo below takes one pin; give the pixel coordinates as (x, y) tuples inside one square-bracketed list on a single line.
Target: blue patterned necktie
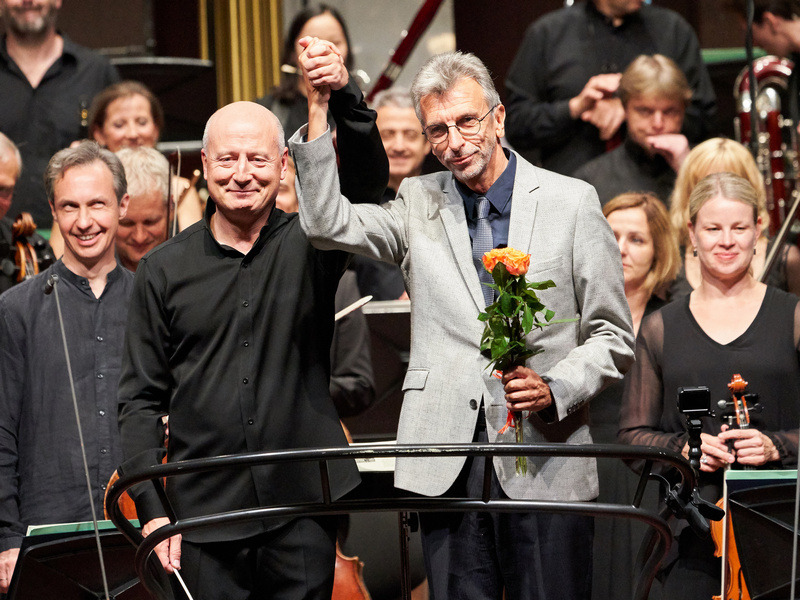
[(482, 243)]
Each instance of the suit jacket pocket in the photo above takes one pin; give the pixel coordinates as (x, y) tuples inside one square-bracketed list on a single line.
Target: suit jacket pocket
[(415, 379), (542, 266)]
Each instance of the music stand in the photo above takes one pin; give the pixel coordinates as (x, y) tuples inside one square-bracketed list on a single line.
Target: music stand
[(65, 566), (389, 324), (763, 524), (186, 87)]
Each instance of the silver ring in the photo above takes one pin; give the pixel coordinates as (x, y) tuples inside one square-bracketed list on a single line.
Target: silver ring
[(704, 459)]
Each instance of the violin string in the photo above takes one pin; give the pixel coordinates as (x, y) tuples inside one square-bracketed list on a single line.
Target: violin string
[(83, 447)]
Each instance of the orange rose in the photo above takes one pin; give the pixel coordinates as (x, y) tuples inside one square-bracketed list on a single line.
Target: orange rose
[(516, 262), (490, 259)]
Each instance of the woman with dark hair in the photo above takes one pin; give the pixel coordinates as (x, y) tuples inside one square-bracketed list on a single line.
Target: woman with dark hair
[(650, 260), (126, 115), (364, 168), (729, 324), (288, 99)]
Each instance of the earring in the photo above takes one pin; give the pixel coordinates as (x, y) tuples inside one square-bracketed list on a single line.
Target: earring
[(694, 252)]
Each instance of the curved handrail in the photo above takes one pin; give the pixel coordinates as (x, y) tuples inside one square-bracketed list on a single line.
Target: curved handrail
[(649, 454)]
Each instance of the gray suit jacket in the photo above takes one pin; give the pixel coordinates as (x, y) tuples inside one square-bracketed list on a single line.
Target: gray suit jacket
[(554, 218)]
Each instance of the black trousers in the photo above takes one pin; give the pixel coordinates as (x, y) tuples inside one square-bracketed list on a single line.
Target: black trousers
[(292, 563), (534, 556)]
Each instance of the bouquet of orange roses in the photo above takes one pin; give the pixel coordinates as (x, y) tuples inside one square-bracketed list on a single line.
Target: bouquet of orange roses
[(512, 316)]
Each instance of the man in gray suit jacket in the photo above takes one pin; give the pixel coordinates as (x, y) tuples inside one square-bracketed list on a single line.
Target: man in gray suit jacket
[(450, 395)]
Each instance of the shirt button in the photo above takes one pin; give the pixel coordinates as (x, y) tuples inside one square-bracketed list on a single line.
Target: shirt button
[(245, 265), (99, 338), (473, 404), (102, 413), (103, 450), (99, 375), (245, 304), (103, 486), (250, 421), (245, 381), (246, 344)]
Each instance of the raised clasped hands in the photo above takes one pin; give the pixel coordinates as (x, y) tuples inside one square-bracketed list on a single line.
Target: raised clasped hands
[(322, 66), (168, 551), (525, 390), (750, 448)]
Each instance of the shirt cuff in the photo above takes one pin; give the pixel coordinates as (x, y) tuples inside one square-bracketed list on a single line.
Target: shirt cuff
[(301, 136)]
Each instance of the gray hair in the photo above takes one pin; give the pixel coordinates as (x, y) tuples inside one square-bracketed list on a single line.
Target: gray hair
[(278, 127), (7, 147), (398, 97), (84, 153), (146, 170), (442, 71)]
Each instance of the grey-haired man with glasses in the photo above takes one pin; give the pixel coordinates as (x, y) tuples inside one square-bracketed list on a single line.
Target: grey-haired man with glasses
[(435, 230)]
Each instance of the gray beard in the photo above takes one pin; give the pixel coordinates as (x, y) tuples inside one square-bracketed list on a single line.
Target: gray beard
[(31, 29), (474, 170)]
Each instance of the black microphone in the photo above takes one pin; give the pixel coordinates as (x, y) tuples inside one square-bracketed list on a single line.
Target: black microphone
[(51, 284)]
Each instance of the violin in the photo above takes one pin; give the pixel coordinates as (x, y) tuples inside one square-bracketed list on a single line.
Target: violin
[(30, 255), (348, 581), (736, 412)]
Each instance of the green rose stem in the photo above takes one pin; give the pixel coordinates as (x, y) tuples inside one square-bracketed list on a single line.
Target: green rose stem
[(509, 319)]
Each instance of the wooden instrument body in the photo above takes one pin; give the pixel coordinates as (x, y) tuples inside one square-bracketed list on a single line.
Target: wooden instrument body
[(733, 584)]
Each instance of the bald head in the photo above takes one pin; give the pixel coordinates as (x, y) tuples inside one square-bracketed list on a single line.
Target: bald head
[(10, 165), (9, 153), (244, 160), (245, 112)]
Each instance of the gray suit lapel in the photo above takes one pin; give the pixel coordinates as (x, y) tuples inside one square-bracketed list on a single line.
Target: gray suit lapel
[(455, 227), (523, 207)]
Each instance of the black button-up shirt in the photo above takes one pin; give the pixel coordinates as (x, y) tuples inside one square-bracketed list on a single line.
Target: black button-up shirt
[(235, 348), (41, 470), (43, 120)]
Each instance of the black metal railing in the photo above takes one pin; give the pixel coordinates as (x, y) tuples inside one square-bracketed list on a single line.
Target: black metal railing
[(648, 455)]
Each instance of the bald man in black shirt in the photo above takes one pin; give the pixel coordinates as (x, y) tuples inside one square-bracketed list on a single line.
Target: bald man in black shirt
[(229, 334)]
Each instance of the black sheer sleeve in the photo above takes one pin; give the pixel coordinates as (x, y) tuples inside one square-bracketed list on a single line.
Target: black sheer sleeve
[(786, 441), (641, 415)]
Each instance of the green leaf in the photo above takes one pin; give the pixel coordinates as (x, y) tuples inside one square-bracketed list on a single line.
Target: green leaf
[(541, 285), (507, 305), (499, 347), (557, 321), (527, 320), (548, 314), (500, 275)]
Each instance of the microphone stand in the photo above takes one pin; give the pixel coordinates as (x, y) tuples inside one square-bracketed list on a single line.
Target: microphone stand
[(49, 288)]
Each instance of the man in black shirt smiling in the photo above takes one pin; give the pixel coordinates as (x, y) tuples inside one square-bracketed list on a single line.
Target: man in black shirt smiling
[(229, 333), (41, 470)]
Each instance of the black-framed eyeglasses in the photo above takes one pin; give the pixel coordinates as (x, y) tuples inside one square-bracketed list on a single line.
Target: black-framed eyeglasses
[(466, 126)]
